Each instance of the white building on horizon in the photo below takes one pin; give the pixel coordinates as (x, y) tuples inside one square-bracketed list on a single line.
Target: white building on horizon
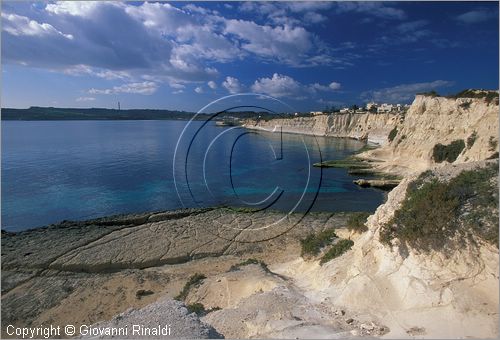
[(385, 108)]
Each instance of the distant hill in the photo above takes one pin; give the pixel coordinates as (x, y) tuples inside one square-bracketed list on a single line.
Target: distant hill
[(54, 113)]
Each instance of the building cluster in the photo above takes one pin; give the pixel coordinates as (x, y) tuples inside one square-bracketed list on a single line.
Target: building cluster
[(386, 108), (378, 108)]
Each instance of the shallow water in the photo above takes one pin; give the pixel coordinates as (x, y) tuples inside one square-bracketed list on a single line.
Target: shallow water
[(73, 170)]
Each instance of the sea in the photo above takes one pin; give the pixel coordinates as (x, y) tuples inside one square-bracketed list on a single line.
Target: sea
[(77, 170)]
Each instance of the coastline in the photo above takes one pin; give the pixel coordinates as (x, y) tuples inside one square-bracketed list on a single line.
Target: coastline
[(89, 263), (227, 265)]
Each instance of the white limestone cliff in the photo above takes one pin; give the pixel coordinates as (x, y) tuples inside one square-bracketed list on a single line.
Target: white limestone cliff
[(372, 127)]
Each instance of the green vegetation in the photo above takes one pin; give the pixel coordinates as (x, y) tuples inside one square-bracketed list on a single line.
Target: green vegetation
[(194, 281), (54, 113), (336, 250), (143, 292), (347, 163), (313, 243), (199, 309), (448, 152), (434, 212), (356, 221), (471, 139), (465, 105), (351, 162), (429, 94), (489, 96), (246, 263), (392, 134)]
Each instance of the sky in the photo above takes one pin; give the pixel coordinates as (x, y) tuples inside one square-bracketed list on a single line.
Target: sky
[(182, 55)]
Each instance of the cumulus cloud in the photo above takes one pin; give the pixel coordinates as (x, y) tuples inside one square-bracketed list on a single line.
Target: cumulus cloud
[(476, 16), (75, 8), (333, 86), (145, 88), (289, 12), (154, 41), (233, 85), (198, 89), (403, 93), (285, 86), (293, 45), (85, 99), (19, 25), (376, 9), (277, 86), (411, 25), (212, 84)]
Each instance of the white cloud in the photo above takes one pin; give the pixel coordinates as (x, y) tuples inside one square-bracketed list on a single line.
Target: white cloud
[(285, 43), (277, 86), (75, 8), (233, 85), (334, 86), (403, 93), (158, 41), (411, 25), (198, 89), (374, 8), (212, 84), (476, 16), (177, 86), (289, 12), (145, 88), (85, 99), (19, 25)]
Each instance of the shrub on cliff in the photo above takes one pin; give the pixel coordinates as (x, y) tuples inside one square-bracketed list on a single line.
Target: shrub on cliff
[(356, 221), (392, 134), (489, 96), (448, 152), (434, 213), (429, 94), (313, 243), (194, 281), (247, 262), (471, 139), (336, 250)]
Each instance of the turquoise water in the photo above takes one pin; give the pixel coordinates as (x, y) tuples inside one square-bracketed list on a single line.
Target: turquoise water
[(73, 170)]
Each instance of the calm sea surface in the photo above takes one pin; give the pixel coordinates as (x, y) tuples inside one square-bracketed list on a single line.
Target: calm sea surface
[(73, 170)]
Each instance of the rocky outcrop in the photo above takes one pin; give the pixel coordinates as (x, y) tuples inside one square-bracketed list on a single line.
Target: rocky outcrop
[(372, 127), (96, 269), (164, 319), (377, 183), (433, 120), (436, 294)]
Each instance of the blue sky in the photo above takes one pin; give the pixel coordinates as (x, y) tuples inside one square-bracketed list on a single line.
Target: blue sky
[(182, 55)]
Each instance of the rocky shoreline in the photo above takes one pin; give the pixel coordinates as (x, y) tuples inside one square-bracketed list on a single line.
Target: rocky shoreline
[(85, 272), (242, 274)]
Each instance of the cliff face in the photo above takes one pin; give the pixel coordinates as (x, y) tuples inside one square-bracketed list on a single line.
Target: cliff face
[(429, 121), (440, 294), (373, 127), (433, 120)]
